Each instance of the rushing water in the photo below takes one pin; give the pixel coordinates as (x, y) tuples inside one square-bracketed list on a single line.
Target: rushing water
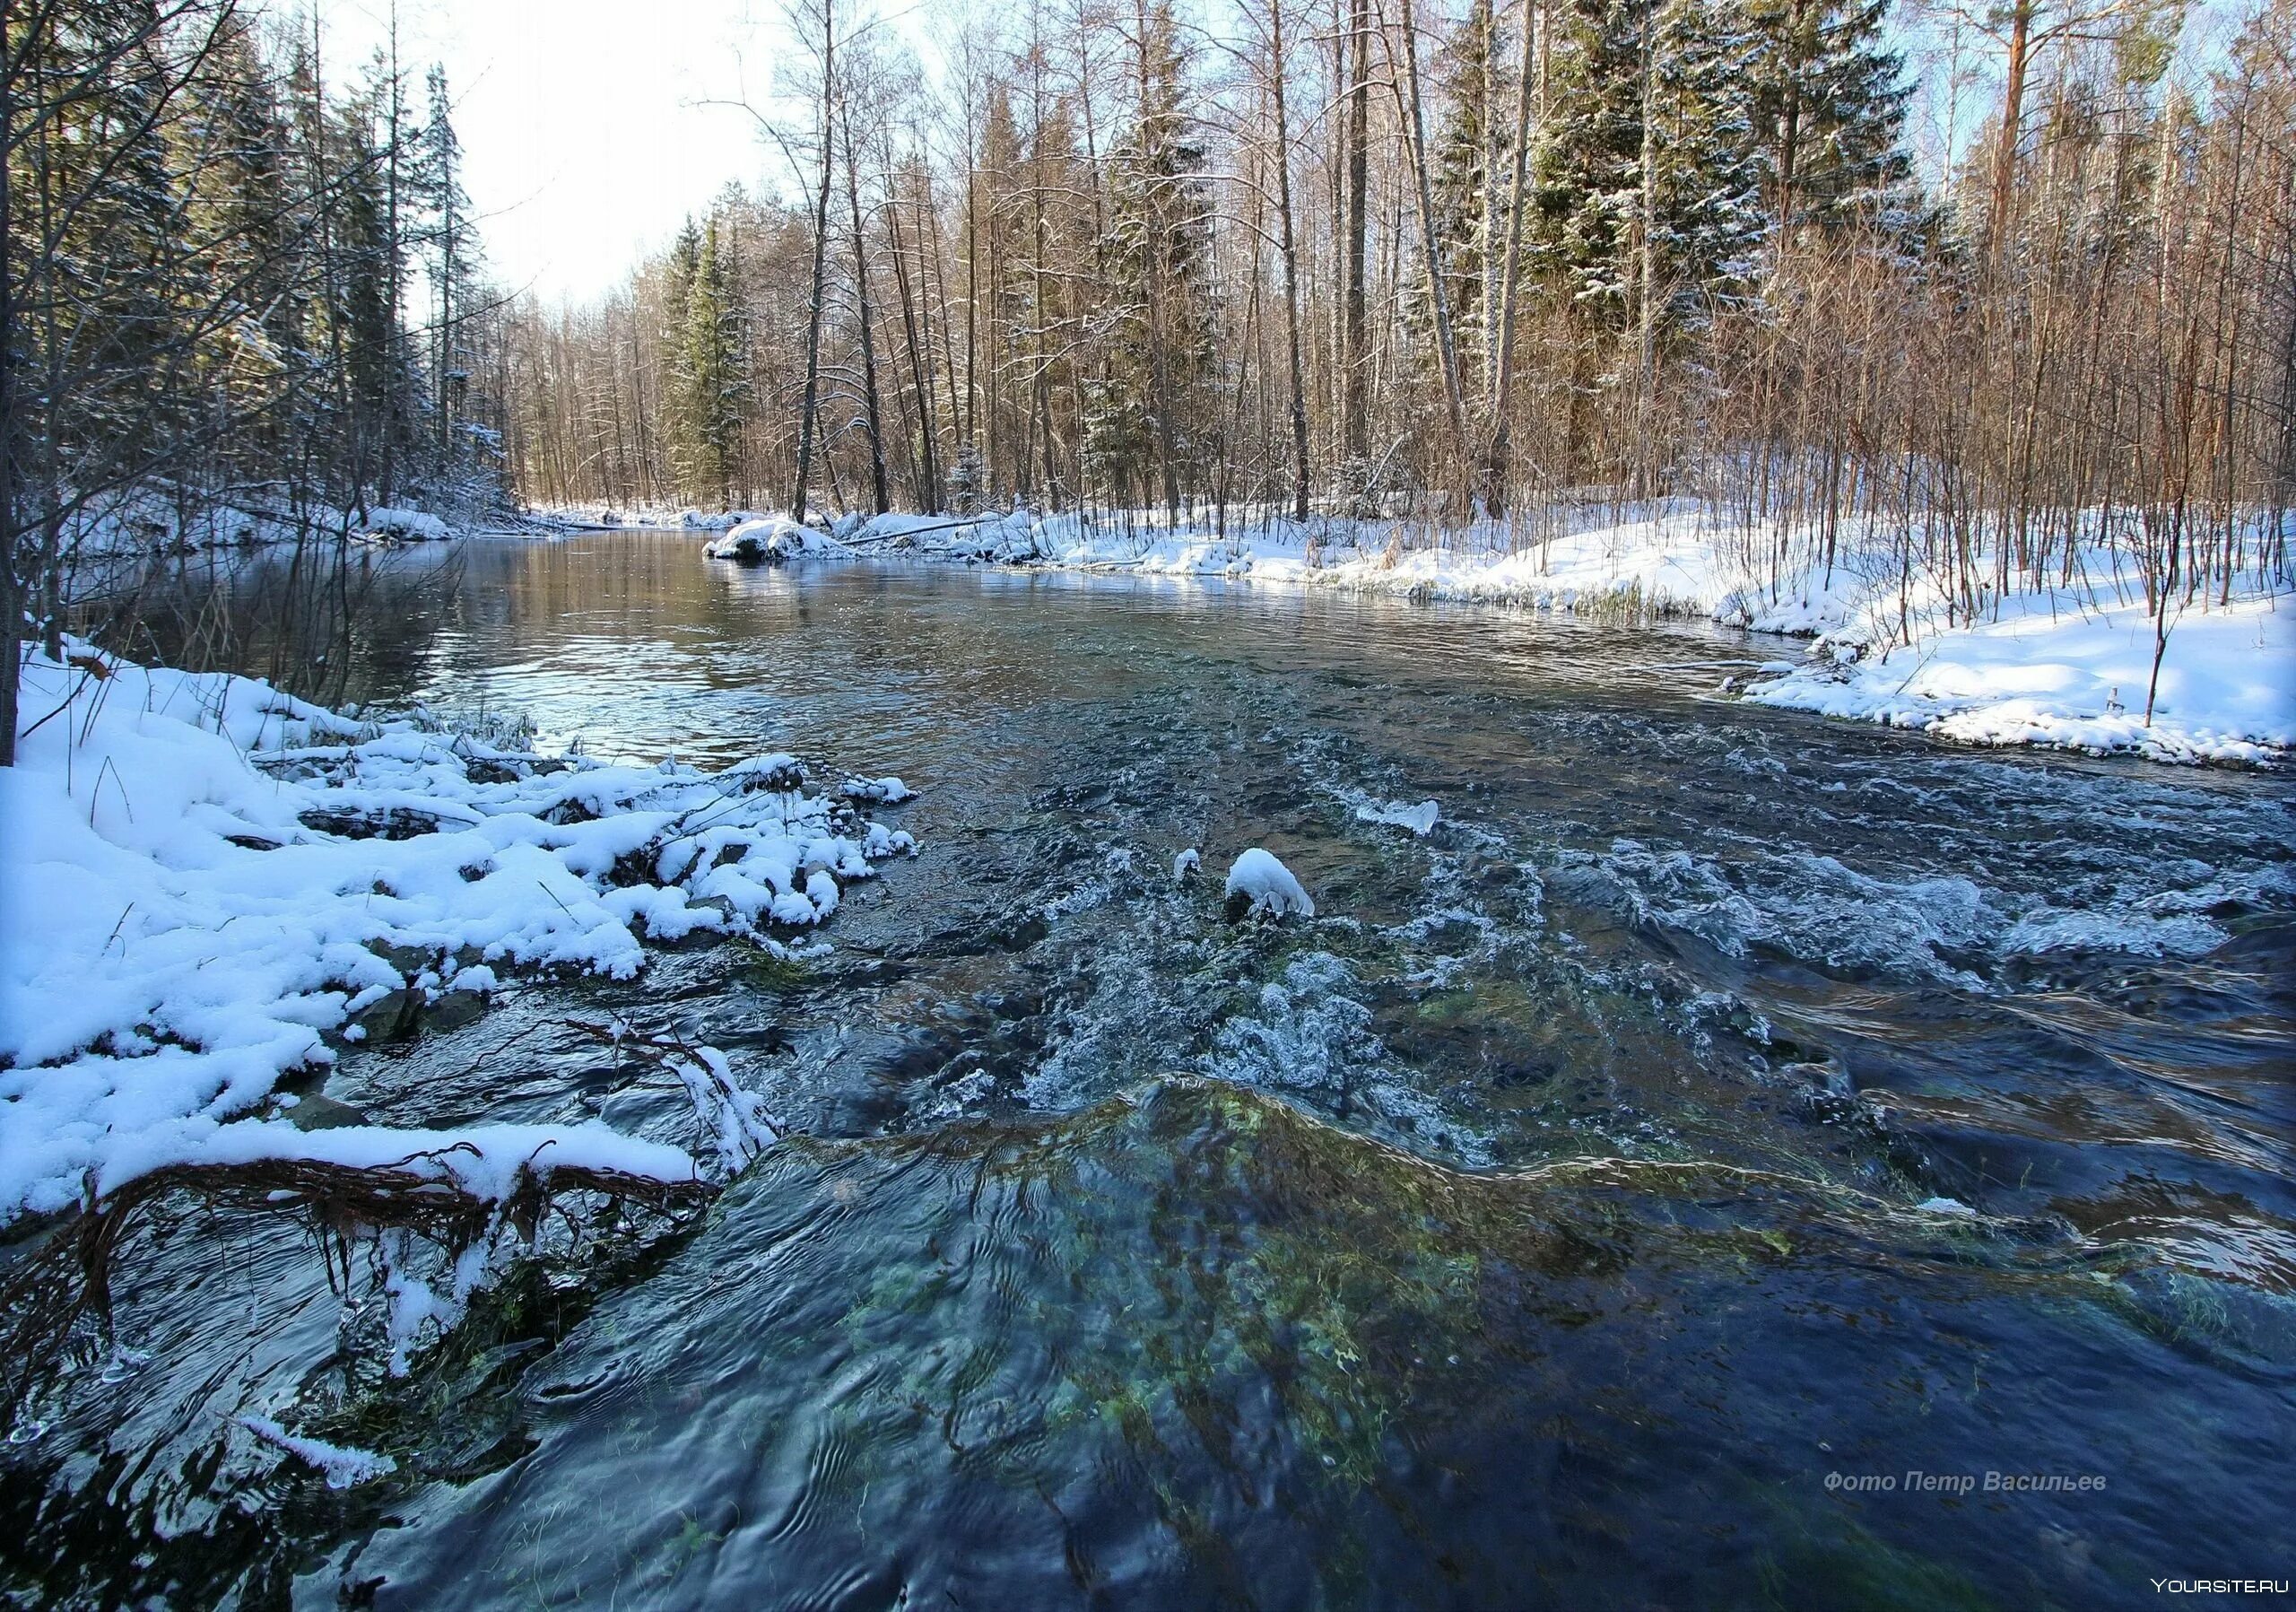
[(1536, 1227)]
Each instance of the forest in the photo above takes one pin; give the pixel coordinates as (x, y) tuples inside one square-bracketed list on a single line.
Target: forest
[(238, 305), (1984, 289), (1371, 258)]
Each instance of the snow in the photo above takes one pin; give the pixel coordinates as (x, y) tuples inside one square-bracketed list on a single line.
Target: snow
[(734, 1116), (1419, 819), (1185, 863), (483, 1162), (405, 526), (149, 518), (2074, 679), (342, 1466), (879, 791), (195, 899), (643, 514), (771, 540), (1952, 1207), (1258, 883)]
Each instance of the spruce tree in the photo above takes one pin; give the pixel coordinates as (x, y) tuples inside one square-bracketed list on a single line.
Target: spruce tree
[(1150, 409), (361, 306), (714, 371), (1669, 79), (451, 266), (1828, 108), (680, 427), (1704, 210)]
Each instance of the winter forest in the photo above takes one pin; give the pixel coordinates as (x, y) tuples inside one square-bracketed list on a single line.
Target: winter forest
[(1994, 277), (1969, 270)]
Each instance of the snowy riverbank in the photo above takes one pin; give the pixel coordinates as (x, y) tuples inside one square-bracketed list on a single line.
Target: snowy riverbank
[(206, 885), (2067, 668)]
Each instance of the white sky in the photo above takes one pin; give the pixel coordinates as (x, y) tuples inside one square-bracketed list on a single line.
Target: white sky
[(584, 137)]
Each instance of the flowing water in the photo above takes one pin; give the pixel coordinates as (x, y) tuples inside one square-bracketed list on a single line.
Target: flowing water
[(1536, 1226)]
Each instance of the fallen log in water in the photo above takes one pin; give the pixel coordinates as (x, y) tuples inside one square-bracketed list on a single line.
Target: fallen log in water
[(454, 1195)]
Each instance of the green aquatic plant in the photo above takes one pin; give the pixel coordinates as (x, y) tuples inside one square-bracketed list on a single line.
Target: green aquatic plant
[(770, 967)]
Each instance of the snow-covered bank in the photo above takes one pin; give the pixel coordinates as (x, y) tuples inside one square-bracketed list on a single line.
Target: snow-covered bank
[(205, 885), (2069, 666), (2077, 679), (143, 522), (617, 517)]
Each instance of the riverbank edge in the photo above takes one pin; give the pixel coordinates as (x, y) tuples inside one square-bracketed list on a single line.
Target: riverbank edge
[(208, 887)]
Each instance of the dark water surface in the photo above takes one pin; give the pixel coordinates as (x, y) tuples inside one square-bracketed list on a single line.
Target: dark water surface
[(1536, 1226)]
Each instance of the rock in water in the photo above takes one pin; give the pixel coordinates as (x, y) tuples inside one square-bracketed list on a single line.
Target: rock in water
[(1258, 883), (768, 542), (876, 791)]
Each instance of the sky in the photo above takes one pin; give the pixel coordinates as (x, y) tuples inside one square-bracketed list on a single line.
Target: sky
[(586, 135)]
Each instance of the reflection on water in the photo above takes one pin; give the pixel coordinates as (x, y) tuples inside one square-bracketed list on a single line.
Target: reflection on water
[(1535, 1227)]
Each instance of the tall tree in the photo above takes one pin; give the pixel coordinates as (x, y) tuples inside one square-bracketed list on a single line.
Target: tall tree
[(1150, 407), (714, 370), (1828, 108)]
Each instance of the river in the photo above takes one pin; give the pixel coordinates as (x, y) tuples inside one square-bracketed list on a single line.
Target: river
[(1538, 1225)]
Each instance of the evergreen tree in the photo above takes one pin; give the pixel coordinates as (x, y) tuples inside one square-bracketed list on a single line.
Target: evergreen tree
[(1150, 409), (451, 266), (713, 371), (361, 308), (248, 233), (1704, 210), (1650, 139), (1828, 108), (680, 427), (1473, 156)]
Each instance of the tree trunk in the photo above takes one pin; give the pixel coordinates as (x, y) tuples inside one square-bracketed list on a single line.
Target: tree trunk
[(920, 354), (873, 414), (821, 261), (1646, 273), (2012, 120), (1447, 348), (1354, 425), (1290, 271), (1495, 398), (12, 614)]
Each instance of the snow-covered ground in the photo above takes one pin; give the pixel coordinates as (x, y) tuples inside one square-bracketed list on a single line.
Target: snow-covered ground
[(650, 515), (205, 885), (145, 522), (2068, 667), (2067, 674)]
